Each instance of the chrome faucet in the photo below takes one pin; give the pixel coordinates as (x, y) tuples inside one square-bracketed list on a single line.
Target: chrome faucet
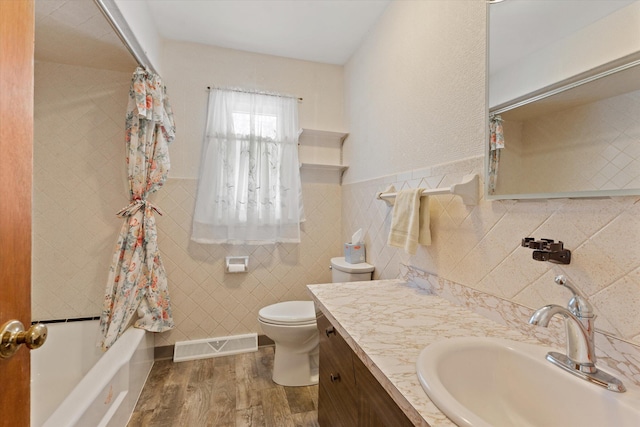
[(579, 320)]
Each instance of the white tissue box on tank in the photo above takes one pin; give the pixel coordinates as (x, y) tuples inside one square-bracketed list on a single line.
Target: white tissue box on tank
[(354, 253)]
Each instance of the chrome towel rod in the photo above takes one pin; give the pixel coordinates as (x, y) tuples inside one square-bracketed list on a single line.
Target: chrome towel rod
[(467, 189)]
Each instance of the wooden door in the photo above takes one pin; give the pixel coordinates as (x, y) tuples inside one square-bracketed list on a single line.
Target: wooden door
[(16, 142)]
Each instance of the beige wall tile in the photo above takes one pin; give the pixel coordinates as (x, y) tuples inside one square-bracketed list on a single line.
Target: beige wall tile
[(484, 252)]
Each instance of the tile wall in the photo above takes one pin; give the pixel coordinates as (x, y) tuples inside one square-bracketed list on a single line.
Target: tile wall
[(206, 301), (79, 184), (615, 355), (479, 246)]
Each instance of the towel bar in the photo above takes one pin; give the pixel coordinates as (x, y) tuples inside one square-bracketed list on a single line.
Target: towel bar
[(467, 189)]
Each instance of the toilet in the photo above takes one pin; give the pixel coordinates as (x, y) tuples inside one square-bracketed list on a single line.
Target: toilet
[(343, 271), (292, 327)]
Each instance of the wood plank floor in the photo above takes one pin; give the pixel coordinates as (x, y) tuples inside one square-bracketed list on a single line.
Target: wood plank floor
[(230, 391)]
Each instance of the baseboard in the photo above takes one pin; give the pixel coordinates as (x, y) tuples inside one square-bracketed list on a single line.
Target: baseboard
[(165, 352)]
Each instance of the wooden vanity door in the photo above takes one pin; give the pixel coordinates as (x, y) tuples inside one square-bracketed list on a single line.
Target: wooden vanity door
[(337, 397), (349, 394)]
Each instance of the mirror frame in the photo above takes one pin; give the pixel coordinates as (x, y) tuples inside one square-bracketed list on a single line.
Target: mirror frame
[(604, 70)]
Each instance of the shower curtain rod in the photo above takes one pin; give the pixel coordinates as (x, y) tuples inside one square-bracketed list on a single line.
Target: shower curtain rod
[(253, 91), (124, 33)]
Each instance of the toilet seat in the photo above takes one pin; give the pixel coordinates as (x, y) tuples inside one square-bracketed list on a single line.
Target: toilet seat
[(289, 313)]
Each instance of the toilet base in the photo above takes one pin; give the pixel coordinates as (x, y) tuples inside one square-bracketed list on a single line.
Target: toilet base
[(295, 369)]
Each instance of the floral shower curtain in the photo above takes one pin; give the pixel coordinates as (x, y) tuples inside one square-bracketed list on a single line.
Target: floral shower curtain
[(496, 143), (137, 280)]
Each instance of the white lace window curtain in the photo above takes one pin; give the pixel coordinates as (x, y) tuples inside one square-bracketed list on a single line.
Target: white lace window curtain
[(249, 182)]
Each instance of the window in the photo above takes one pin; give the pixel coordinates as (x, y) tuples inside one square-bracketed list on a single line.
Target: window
[(249, 182)]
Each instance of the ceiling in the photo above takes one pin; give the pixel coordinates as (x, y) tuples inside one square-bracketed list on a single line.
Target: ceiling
[(327, 31), (75, 32)]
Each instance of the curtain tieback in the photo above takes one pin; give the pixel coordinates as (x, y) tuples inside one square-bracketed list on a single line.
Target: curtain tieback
[(135, 206)]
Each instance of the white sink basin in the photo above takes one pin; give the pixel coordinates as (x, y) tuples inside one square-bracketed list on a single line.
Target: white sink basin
[(494, 382)]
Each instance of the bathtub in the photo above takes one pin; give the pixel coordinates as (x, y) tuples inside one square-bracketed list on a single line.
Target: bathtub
[(73, 383)]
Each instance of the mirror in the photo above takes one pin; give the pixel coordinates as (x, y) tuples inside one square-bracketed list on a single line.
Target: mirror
[(571, 124)]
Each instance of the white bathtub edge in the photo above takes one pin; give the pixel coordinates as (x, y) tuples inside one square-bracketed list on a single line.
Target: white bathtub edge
[(141, 363), (102, 385)]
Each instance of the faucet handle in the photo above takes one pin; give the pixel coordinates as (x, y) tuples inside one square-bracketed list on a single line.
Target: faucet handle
[(562, 281), (578, 305)]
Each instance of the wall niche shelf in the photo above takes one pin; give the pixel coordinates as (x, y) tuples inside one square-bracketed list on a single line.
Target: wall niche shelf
[(320, 155)]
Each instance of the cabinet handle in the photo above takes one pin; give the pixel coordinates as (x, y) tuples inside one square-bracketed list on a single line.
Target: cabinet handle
[(335, 378), (330, 330)]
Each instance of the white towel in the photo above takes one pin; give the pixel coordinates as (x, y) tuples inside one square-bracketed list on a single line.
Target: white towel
[(410, 221)]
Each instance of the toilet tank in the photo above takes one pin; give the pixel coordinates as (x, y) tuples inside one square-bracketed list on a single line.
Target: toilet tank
[(342, 271)]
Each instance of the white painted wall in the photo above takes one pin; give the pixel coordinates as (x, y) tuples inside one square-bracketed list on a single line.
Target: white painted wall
[(415, 90), (611, 38), (207, 302), (415, 97), (191, 67)]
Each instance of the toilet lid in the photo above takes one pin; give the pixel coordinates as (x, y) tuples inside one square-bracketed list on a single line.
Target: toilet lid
[(289, 313), (341, 264)]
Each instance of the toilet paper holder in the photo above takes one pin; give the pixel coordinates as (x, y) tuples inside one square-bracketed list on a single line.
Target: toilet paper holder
[(236, 264)]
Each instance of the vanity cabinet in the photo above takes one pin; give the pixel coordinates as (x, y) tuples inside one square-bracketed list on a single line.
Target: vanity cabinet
[(337, 393), (349, 395)]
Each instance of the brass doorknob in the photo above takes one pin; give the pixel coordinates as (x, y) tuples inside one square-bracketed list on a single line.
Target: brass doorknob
[(13, 335)]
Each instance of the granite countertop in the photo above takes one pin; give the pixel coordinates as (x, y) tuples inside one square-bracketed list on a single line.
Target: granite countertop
[(387, 323)]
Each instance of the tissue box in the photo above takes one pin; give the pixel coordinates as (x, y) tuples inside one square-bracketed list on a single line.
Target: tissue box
[(354, 252)]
